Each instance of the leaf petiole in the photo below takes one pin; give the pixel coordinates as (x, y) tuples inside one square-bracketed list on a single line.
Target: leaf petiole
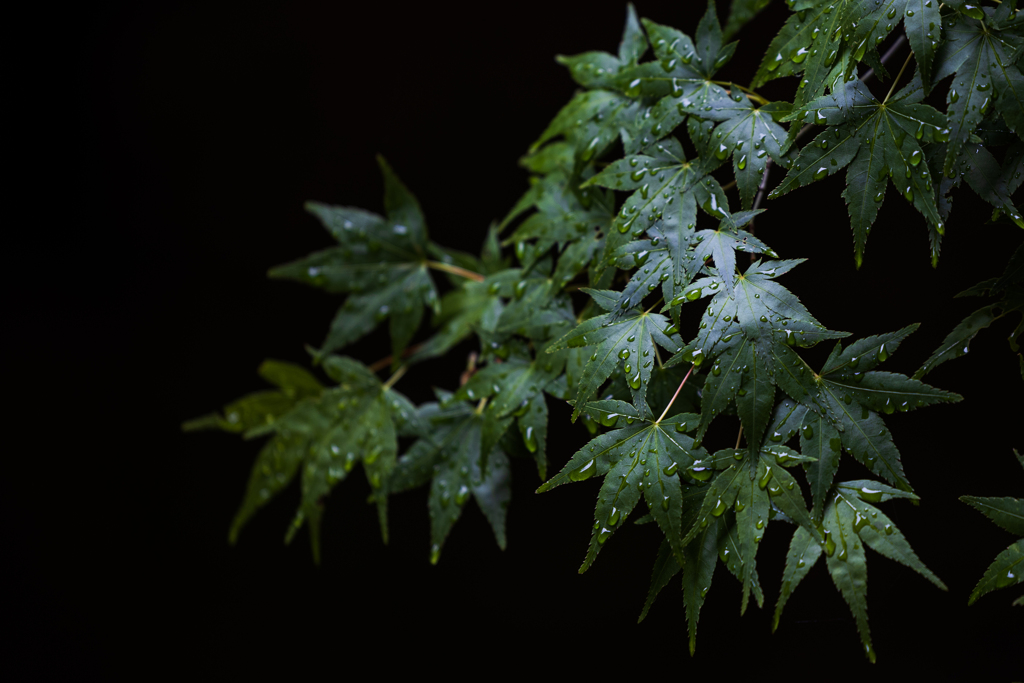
[(678, 389), (455, 270), (395, 377), (896, 80)]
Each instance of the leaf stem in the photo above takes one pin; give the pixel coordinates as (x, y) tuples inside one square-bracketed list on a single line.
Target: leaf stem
[(678, 389), (455, 270), (481, 405), (395, 377), (747, 91), (657, 356), (738, 437), (897, 79)]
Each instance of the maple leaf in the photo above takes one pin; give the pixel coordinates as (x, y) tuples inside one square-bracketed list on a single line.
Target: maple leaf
[(255, 415), (1010, 288), (627, 340), (382, 262), (921, 21), (879, 141), (1008, 567), (641, 458), (667, 189), (810, 45), (847, 395), (983, 59), (755, 307), (456, 453), (514, 387), (850, 522)]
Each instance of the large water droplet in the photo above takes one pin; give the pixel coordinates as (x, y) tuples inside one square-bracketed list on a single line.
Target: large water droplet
[(584, 472)]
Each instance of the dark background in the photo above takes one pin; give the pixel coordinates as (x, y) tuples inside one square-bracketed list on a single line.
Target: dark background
[(176, 145)]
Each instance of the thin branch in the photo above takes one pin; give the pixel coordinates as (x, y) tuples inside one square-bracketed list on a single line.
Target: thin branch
[(896, 44), (752, 95), (386, 361), (678, 389), (455, 270)]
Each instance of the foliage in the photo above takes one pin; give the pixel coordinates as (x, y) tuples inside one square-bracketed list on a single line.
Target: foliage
[(627, 221), (1010, 288), (1005, 570)]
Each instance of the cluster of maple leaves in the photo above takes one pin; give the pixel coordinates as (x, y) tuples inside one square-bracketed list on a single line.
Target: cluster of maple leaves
[(609, 264)]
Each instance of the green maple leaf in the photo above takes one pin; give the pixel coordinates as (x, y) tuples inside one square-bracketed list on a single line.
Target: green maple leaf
[(563, 212), (514, 387), (1008, 567), (669, 260), (473, 305), (450, 454), (756, 308), (992, 182), (381, 262), (679, 82), (846, 396), (641, 459), (879, 141), (255, 415), (983, 59), (921, 21), (752, 137), (353, 422), (744, 494), (597, 69), (318, 432), (1010, 287), (667, 189), (617, 340), (850, 522), (590, 123), (810, 44), (749, 486), (258, 410), (536, 308)]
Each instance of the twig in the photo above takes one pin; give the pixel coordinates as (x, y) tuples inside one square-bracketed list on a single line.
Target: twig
[(386, 361), (896, 44), (752, 95)]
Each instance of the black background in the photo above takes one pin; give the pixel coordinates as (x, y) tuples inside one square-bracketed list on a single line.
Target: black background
[(181, 142)]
